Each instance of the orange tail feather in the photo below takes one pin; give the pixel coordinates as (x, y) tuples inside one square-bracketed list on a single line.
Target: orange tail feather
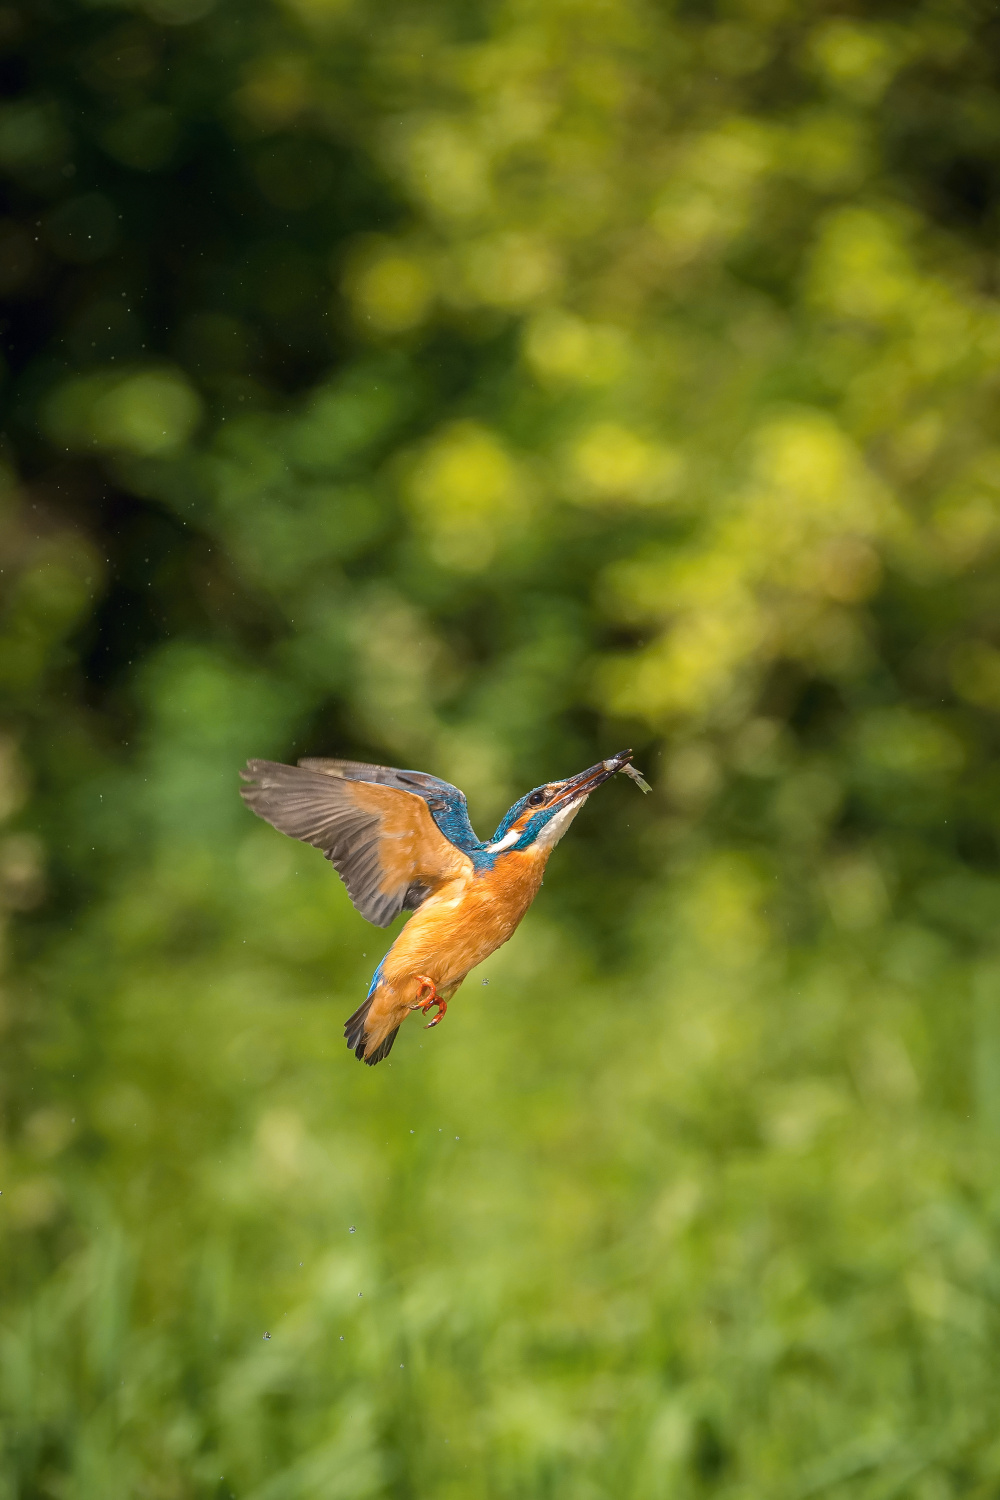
[(354, 1031)]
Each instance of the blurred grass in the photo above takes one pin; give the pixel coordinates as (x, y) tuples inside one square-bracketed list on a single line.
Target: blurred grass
[(483, 388)]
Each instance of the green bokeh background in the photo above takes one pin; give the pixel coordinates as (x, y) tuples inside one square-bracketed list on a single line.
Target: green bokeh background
[(483, 387)]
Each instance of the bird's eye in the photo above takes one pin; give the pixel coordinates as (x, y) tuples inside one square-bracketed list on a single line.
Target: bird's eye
[(536, 799)]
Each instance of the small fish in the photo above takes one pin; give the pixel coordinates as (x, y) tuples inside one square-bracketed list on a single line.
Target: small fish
[(637, 777)]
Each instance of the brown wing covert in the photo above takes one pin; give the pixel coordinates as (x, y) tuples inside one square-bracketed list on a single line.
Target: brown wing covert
[(381, 840)]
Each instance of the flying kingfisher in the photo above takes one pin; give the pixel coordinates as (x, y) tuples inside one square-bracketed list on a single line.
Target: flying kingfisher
[(402, 841)]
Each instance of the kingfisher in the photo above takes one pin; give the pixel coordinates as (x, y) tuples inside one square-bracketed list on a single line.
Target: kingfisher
[(402, 841)]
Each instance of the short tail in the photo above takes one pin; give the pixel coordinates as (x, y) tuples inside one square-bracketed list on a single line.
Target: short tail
[(354, 1031)]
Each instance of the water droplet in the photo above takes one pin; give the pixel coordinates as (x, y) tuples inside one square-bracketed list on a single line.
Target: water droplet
[(361, 1294), (486, 981), (267, 1335), (341, 1338), (402, 1367), (351, 1231), (456, 1137)]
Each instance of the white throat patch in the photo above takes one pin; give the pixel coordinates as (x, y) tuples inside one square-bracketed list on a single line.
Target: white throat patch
[(550, 834), (558, 824)]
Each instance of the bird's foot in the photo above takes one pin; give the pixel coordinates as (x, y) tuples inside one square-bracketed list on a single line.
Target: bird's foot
[(428, 996)]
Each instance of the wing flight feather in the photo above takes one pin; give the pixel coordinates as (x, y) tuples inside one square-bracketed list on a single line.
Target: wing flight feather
[(446, 802), (380, 838)]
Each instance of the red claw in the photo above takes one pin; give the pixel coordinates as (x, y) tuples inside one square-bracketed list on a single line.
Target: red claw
[(432, 997)]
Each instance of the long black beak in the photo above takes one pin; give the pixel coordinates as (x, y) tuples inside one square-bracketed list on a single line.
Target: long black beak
[(586, 781)]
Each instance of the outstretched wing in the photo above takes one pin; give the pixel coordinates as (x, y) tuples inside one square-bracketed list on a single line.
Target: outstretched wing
[(447, 804), (381, 839)]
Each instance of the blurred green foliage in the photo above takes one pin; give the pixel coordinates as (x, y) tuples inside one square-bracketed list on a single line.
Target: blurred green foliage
[(481, 387)]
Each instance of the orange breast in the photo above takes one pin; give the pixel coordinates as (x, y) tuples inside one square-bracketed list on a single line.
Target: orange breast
[(463, 923)]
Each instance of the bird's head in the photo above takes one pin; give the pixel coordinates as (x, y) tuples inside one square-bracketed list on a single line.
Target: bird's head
[(539, 820)]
